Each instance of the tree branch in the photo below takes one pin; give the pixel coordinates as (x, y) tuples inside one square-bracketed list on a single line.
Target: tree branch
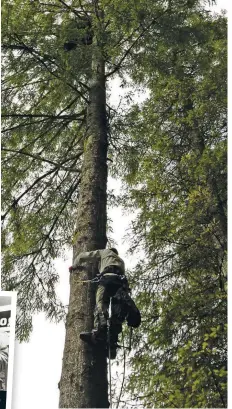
[(22, 125), (127, 52), (57, 165), (40, 136), (27, 190), (73, 10), (72, 117), (68, 197), (36, 55)]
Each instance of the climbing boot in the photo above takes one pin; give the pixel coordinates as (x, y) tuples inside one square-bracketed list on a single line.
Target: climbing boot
[(88, 337), (95, 336)]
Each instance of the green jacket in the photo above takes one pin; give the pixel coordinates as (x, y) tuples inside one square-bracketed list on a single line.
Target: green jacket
[(105, 258)]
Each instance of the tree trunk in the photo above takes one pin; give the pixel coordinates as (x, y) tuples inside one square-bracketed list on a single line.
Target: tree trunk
[(83, 381)]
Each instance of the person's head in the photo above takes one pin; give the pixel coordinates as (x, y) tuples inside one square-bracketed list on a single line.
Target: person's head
[(114, 250)]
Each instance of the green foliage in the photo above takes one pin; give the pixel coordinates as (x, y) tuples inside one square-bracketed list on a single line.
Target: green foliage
[(45, 98), (173, 161), (44, 110), (174, 168)]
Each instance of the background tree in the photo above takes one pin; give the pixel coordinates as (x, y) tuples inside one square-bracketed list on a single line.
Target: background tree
[(175, 175)]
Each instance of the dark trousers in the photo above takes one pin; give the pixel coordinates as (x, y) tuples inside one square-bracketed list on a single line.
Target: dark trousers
[(108, 286), (123, 307)]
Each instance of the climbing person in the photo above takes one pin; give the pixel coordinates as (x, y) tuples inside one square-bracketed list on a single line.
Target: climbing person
[(112, 283)]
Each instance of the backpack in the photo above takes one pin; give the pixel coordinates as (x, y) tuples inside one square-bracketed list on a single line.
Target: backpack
[(124, 308)]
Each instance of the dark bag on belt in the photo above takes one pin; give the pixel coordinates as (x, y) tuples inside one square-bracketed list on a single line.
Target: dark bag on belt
[(125, 308)]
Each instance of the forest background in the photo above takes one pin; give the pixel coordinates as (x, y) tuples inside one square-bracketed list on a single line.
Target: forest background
[(197, 200)]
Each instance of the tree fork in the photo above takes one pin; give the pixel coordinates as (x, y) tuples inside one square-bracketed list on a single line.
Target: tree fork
[(83, 381)]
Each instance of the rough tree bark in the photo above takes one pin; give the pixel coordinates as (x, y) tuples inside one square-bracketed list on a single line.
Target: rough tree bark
[(83, 381)]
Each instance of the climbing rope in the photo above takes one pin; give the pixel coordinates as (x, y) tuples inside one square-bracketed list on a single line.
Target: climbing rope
[(94, 280), (109, 353)]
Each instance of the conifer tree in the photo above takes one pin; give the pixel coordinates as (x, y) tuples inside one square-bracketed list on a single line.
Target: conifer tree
[(175, 170), (57, 59)]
